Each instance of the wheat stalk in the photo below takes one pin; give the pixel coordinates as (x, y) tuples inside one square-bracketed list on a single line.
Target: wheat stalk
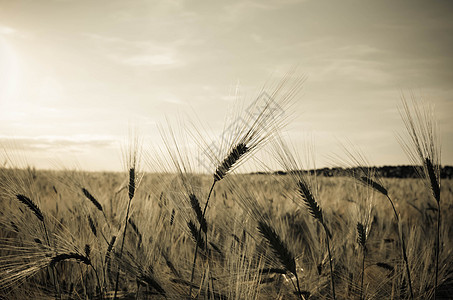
[(280, 250), (131, 194), (85, 259), (422, 146), (433, 179), (289, 162), (368, 177), (132, 157), (361, 239)]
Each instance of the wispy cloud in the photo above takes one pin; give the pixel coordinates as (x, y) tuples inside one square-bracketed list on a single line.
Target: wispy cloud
[(145, 60), (5, 30), (57, 144), (136, 53)]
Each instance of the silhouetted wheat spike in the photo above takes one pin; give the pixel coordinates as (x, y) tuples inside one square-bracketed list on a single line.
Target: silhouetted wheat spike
[(93, 200), (109, 248), (197, 209), (38, 213), (385, 266), (310, 201), (134, 226), (172, 217), (435, 188), (373, 184), (280, 250), (277, 246), (169, 264), (92, 226), (31, 205), (197, 237), (316, 212), (361, 235), (216, 248), (361, 239), (131, 183), (65, 256), (366, 180), (433, 179), (152, 283), (229, 161)]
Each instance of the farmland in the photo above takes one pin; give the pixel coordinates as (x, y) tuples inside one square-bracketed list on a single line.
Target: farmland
[(238, 262)]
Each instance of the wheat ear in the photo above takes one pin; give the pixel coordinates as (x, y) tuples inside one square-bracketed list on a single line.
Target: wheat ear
[(197, 209), (31, 205), (233, 157), (72, 255), (361, 239)]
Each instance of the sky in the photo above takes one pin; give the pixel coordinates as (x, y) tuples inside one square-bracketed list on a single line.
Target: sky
[(75, 76)]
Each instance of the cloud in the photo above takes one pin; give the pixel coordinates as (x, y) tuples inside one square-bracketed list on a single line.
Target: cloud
[(242, 6), (56, 144), (136, 53), (146, 60), (4, 30)]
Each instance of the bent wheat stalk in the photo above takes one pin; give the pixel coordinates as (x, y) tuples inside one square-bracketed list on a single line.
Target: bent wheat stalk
[(368, 177), (367, 180), (281, 251), (236, 154), (316, 213), (422, 146)]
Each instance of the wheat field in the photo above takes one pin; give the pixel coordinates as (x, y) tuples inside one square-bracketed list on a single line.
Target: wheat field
[(238, 263), (184, 234)]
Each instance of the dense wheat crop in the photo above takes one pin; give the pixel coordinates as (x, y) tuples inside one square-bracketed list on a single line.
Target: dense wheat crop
[(237, 262)]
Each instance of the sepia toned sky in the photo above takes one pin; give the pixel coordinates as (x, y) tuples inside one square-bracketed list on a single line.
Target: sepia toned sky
[(76, 75)]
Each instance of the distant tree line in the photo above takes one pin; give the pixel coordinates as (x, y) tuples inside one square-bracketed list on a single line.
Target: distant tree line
[(446, 172)]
